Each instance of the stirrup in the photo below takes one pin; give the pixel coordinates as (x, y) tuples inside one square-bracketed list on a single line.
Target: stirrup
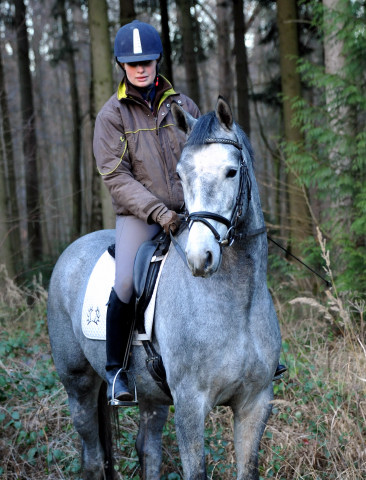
[(114, 402)]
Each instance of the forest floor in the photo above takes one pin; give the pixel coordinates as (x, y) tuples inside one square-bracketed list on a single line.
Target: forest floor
[(317, 429)]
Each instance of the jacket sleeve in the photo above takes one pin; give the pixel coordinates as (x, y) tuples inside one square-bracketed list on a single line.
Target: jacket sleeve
[(111, 154)]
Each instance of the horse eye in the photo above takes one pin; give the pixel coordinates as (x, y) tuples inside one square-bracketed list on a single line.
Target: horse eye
[(231, 173)]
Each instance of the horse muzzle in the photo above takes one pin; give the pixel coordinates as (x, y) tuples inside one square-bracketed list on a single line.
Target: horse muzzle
[(203, 253)]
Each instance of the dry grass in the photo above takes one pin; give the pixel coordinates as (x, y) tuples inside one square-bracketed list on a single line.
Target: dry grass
[(318, 426), (317, 429)]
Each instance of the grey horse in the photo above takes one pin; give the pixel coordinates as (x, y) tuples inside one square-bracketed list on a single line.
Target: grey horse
[(215, 324)]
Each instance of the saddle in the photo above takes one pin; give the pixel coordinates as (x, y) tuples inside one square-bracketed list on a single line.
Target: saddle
[(146, 269)]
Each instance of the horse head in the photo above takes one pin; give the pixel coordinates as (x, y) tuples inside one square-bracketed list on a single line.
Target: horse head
[(213, 169)]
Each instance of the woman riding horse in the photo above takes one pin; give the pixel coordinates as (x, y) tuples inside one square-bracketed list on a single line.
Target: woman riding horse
[(137, 148)]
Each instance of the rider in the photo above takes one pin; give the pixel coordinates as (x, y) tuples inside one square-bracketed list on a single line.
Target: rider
[(137, 147)]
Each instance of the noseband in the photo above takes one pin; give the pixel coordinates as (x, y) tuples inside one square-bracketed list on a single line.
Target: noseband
[(244, 185)]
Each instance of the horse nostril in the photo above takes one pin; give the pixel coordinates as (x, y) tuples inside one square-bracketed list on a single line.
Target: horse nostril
[(209, 259)]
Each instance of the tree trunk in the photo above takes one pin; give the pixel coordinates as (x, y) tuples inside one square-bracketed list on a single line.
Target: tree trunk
[(10, 204), (29, 135), (102, 85), (189, 53), (76, 121), (298, 212), (6, 251), (333, 45), (339, 113), (167, 69), (224, 55), (241, 66), (126, 10)]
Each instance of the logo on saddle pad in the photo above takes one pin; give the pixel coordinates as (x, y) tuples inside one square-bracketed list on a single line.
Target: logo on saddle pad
[(100, 283)]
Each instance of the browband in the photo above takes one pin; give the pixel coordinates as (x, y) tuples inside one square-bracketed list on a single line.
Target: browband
[(227, 141)]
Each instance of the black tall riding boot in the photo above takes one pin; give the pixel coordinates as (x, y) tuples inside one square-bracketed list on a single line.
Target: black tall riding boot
[(119, 324)]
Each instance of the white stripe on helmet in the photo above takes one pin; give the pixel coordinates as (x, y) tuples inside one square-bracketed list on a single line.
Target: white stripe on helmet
[(137, 48)]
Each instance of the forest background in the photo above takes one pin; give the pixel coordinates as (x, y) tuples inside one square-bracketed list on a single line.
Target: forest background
[(294, 73)]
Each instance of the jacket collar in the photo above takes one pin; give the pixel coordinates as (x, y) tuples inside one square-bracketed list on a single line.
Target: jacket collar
[(163, 90)]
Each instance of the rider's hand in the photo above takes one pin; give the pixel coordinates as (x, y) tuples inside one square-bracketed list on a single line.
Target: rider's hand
[(170, 221)]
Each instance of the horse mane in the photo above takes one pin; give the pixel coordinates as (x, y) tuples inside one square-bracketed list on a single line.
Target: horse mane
[(205, 127), (208, 126), (243, 138)]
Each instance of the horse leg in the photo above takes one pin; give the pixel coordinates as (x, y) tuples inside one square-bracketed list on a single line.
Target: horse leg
[(190, 416), (249, 425), (148, 442), (83, 392), (82, 385), (105, 432)]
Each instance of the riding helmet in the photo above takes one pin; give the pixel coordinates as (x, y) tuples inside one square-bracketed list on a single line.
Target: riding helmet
[(137, 41)]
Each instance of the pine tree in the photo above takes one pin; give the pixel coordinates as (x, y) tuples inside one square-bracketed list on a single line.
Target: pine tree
[(332, 158)]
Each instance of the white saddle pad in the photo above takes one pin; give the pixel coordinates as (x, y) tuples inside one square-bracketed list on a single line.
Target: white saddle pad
[(101, 281)]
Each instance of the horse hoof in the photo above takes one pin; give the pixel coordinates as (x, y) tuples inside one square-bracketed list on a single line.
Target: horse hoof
[(280, 370)]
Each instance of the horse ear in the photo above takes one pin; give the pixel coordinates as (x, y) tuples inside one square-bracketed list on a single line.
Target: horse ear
[(183, 119), (223, 113)]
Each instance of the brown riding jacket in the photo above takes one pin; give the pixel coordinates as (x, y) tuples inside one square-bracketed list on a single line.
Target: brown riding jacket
[(137, 149)]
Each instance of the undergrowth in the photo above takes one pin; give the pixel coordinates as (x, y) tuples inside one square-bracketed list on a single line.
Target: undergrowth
[(316, 430)]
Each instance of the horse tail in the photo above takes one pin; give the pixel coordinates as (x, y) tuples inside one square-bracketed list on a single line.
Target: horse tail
[(105, 432)]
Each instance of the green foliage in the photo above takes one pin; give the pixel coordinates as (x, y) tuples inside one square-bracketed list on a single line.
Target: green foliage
[(332, 160), (31, 407)]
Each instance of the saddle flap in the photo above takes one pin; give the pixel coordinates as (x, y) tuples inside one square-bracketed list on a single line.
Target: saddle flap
[(141, 266), (146, 270)]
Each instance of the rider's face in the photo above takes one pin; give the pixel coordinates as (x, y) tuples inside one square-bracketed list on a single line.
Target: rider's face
[(141, 74)]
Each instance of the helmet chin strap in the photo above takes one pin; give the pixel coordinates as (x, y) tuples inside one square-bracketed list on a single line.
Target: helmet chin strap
[(119, 64)]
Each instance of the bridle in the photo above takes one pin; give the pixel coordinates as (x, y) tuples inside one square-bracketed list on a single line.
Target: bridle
[(245, 185)]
